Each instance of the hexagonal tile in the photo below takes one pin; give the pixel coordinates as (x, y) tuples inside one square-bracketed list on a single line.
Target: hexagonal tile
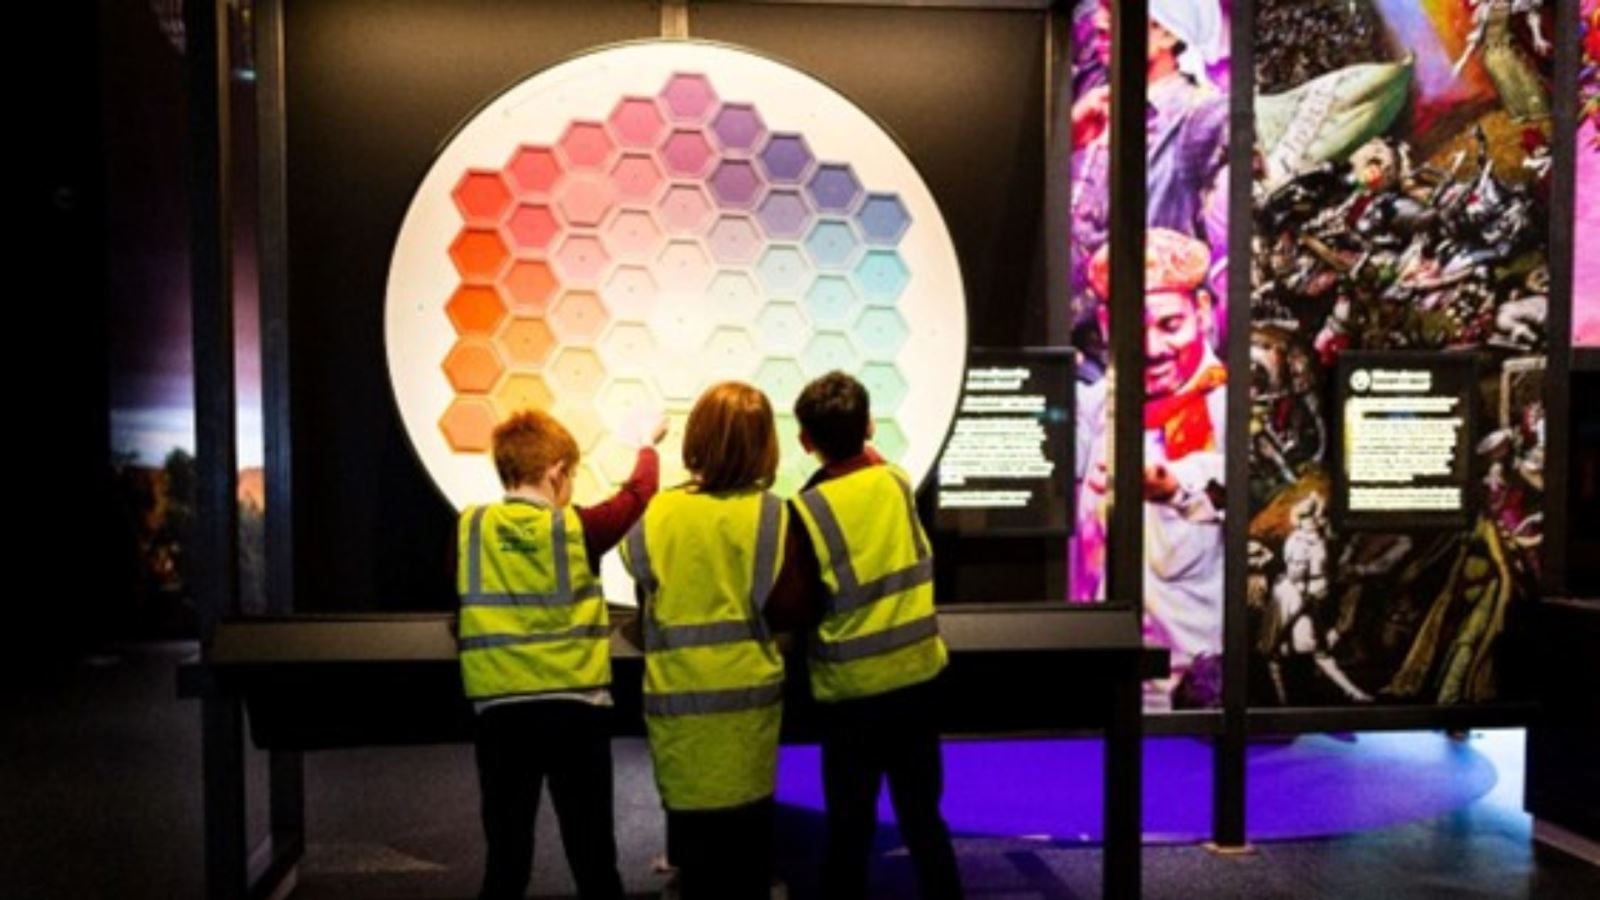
[(685, 210), (832, 245), (576, 371), (632, 235), (783, 271), (734, 240), (581, 259), (622, 400), (736, 184), (738, 128), (586, 145), (784, 214), (683, 266), (883, 219), (782, 380), (582, 421), (472, 366), (783, 329), (468, 424), (679, 384), (827, 352), (882, 276), (637, 178), (475, 310), (482, 197), (831, 302), (584, 199), (689, 98), (730, 353), (532, 227), (636, 122), (578, 317), (880, 333), (734, 297), (886, 387), (527, 341), (479, 255), (520, 392), (889, 440), (687, 154), (786, 159), (533, 171), (630, 293), (834, 188), (530, 284), (680, 328), (628, 349)]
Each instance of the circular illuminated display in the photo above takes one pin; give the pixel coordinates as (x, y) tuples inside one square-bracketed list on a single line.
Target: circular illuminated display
[(621, 231)]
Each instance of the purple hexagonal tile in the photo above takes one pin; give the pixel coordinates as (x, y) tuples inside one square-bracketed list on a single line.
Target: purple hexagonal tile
[(834, 188), (738, 128), (786, 159), (784, 214), (736, 184)]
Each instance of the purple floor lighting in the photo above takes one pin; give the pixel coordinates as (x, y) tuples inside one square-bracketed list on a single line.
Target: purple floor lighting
[(1313, 786)]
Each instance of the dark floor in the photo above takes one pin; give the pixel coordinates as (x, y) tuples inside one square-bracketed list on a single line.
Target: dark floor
[(101, 799)]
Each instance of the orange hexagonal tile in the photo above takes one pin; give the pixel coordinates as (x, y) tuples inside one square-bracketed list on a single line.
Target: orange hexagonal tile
[(585, 145), (532, 227), (530, 285), (578, 317), (482, 197), (468, 425), (527, 341), (479, 254), (519, 392), (475, 310), (472, 366), (534, 171)]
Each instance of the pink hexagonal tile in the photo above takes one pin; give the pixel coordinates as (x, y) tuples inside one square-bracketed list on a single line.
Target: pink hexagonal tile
[(685, 210), (482, 197), (689, 97), (632, 235), (687, 154), (585, 199), (636, 122), (581, 259), (532, 227), (533, 172), (637, 178), (585, 145)]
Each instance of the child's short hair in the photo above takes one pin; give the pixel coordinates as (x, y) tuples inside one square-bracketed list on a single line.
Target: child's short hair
[(730, 442), (834, 411), (528, 444)]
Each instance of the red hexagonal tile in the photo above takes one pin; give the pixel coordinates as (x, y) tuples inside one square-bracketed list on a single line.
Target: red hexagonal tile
[(533, 171), (482, 197), (532, 227), (479, 255), (585, 145)]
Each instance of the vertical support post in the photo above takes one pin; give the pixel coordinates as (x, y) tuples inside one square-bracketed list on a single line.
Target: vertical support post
[(1124, 762), (1558, 331)]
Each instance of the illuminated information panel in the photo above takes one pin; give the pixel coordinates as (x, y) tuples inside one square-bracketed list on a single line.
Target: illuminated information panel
[(1406, 425), (1007, 466)]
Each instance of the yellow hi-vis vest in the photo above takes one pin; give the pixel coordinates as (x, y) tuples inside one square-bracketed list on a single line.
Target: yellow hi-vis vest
[(880, 631), (532, 616), (704, 565)]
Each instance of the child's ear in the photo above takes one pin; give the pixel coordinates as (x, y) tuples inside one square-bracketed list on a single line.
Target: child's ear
[(805, 442)]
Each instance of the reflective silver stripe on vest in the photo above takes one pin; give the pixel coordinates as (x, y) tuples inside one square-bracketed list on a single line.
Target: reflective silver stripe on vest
[(475, 552), (639, 555), (558, 545), (711, 634), (877, 643), (766, 553), (833, 537), (911, 511), (700, 703), (582, 632), (587, 593), (915, 575)]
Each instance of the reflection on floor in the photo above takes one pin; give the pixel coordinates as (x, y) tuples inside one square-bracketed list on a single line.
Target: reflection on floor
[(101, 780)]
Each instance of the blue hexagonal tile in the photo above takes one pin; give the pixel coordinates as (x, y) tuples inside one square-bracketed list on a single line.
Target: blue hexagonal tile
[(832, 245), (883, 220), (786, 159), (834, 188), (881, 276)]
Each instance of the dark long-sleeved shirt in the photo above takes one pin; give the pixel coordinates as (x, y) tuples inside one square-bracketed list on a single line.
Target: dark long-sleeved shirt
[(798, 599)]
